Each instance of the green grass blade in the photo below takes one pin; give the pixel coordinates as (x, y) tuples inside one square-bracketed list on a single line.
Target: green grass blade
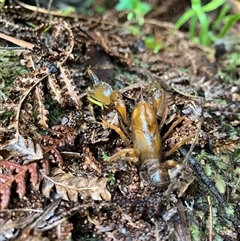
[(184, 18), (212, 5), (231, 19), (220, 17), (193, 26), (205, 39)]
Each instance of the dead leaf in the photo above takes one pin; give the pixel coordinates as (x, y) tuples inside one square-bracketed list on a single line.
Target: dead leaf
[(25, 148), (69, 187)]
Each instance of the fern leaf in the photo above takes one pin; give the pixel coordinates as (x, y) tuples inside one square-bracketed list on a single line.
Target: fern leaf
[(39, 103), (32, 169), (21, 185), (8, 110), (55, 90), (226, 146), (70, 90), (22, 88), (26, 112), (69, 187), (24, 82), (25, 148), (57, 155), (6, 180), (5, 192)]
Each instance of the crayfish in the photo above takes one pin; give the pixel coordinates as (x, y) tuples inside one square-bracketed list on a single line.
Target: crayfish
[(147, 142)]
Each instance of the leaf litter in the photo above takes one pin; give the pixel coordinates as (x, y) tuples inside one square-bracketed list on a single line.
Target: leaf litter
[(61, 169)]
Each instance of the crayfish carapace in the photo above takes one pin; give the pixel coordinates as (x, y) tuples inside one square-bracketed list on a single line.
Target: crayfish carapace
[(147, 144)]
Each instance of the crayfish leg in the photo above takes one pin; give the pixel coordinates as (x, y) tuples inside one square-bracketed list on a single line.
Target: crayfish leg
[(119, 131), (178, 145), (164, 117), (174, 124), (128, 154), (119, 103)]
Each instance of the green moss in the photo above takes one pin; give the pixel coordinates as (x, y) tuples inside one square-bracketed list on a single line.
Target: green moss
[(10, 69), (55, 112)]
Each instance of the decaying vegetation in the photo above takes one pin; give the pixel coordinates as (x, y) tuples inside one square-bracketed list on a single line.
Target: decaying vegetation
[(55, 180)]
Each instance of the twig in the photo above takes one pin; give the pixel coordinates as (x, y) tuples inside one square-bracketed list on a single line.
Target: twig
[(16, 41), (22, 210), (210, 219)]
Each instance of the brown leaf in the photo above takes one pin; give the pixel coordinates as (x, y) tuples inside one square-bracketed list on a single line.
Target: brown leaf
[(90, 161), (69, 187), (6, 180), (224, 146), (39, 103), (7, 229), (69, 89), (25, 148), (21, 190), (55, 90), (5, 192)]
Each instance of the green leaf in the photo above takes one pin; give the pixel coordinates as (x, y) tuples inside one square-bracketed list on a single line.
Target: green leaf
[(230, 20), (193, 26), (212, 5), (208, 170), (196, 5), (101, 9), (230, 210), (151, 43), (68, 10), (197, 8), (2, 2), (104, 156), (124, 5), (220, 183), (135, 30), (130, 16), (222, 165), (195, 232), (145, 8), (220, 17), (137, 9), (237, 171), (184, 18), (112, 179)]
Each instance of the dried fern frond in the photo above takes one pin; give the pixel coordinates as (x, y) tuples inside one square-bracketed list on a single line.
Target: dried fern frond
[(225, 145), (25, 85), (69, 187), (40, 107), (27, 81), (63, 131), (57, 155), (70, 91), (8, 111), (6, 180), (63, 34), (55, 90), (193, 108), (60, 136), (26, 113)]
